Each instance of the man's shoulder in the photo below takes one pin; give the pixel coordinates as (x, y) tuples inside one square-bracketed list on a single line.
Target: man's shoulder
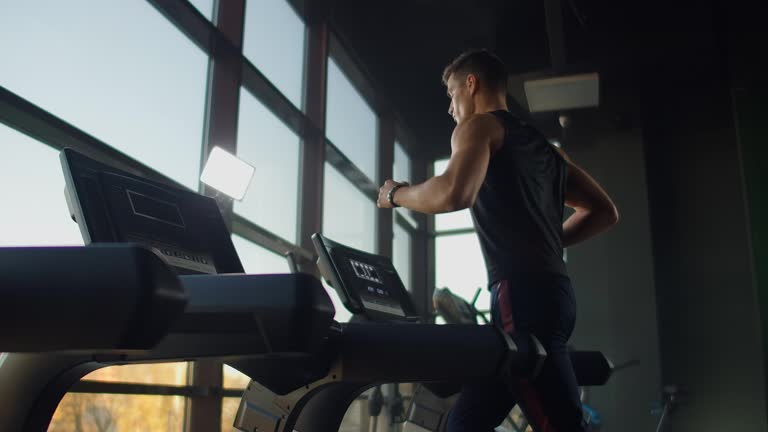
[(483, 120), (482, 124)]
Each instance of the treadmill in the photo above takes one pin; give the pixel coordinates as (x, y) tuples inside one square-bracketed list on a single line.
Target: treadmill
[(387, 342), (158, 281), (174, 260)]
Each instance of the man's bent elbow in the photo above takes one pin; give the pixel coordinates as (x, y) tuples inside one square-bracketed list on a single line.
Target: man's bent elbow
[(456, 202), (611, 215)]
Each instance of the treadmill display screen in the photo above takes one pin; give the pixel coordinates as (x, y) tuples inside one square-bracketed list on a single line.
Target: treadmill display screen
[(374, 293), (183, 228), (152, 208), (365, 271), (367, 283)]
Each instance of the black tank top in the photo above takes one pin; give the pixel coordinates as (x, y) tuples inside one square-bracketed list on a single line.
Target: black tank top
[(518, 213)]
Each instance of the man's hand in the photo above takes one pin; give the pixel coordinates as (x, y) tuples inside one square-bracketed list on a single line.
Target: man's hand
[(383, 202), (594, 213)]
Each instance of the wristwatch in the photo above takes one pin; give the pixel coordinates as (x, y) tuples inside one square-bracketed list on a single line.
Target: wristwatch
[(391, 194)]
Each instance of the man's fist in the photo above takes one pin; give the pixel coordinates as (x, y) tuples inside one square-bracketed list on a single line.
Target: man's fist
[(383, 202)]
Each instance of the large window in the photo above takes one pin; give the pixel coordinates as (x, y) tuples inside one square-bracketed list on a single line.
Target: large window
[(118, 70), (266, 143), (274, 43), (351, 123), (34, 208)]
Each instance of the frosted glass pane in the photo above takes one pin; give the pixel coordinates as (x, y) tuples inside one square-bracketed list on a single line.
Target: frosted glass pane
[(350, 122), (273, 41), (401, 255), (401, 171), (118, 412), (348, 215), (258, 260), (459, 266), (204, 6), (174, 374), (342, 314), (455, 220), (118, 70), (263, 141), (35, 211)]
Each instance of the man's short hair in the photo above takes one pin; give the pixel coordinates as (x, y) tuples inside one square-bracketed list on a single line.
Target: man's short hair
[(489, 68)]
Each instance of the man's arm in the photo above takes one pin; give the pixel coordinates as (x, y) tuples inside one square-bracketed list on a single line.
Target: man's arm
[(594, 210), (457, 187)]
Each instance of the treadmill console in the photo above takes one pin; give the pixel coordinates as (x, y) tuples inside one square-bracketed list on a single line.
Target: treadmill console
[(367, 284), (183, 228)]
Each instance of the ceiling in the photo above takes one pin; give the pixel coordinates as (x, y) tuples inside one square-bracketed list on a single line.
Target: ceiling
[(403, 46)]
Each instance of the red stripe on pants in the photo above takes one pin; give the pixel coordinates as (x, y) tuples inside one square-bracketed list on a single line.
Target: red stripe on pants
[(529, 397), (505, 308), (532, 408)]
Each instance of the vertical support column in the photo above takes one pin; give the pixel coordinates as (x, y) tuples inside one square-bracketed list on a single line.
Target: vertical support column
[(203, 413), (223, 95), (554, 17), (313, 141), (386, 152), (553, 10), (385, 146), (220, 129), (423, 255)]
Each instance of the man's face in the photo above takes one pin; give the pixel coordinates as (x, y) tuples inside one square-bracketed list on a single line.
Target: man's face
[(460, 91)]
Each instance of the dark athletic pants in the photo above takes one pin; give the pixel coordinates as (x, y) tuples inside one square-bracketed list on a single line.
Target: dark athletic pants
[(542, 304)]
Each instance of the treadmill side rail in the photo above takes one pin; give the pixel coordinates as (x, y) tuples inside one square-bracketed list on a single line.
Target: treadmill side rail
[(98, 297)]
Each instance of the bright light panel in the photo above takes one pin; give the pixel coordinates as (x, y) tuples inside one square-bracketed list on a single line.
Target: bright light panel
[(227, 173), (563, 92)]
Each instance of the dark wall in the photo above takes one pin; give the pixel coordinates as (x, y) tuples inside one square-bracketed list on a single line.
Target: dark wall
[(709, 317), (753, 137), (613, 280), (745, 36), (708, 314)]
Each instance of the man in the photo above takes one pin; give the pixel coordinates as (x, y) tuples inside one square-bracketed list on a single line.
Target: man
[(516, 184)]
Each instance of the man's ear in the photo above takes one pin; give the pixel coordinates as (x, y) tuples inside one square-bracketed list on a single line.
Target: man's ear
[(471, 83)]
